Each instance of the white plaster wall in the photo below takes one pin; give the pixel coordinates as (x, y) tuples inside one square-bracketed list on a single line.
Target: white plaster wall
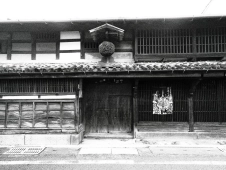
[(69, 35), (3, 58), (119, 57), (70, 46), (70, 57), (45, 58), (20, 58)]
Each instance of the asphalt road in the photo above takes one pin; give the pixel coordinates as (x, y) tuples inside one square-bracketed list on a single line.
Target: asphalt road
[(113, 167)]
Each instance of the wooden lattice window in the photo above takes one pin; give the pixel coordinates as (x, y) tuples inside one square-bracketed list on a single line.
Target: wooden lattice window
[(37, 86), (53, 114), (164, 41), (211, 40), (90, 45), (47, 36)]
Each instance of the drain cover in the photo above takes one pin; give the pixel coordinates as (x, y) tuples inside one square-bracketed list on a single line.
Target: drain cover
[(25, 150)]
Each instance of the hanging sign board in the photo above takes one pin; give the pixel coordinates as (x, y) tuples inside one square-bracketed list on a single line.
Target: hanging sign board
[(163, 102)]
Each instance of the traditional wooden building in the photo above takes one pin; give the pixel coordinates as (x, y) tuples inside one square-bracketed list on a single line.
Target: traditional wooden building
[(116, 78)]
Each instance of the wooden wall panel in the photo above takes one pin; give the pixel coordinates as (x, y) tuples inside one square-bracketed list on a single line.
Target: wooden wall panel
[(2, 114), (40, 114), (26, 123), (47, 114), (40, 123), (68, 114), (68, 123), (41, 106), (13, 115), (54, 114), (68, 106), (13, 123), (27, 115), (2, 106), (2, 123), (54, 106), (27, 106), (13, 106), (54, 123)]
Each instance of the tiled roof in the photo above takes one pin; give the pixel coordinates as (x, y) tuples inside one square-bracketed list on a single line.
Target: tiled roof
[(114, 67)]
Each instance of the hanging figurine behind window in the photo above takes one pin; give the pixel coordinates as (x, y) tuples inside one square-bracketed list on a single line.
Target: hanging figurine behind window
[(163, 103)]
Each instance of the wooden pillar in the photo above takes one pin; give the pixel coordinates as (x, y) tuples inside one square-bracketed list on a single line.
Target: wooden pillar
[(135, 106), (78, 93), (191, 112), (220, 100), (9, 46), (82, 45), (191, 104)]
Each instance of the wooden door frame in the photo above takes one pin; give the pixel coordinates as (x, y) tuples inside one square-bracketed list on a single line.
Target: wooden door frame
[(85, 98)]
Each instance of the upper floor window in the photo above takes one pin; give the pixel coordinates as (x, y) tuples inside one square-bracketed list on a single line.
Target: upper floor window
[(181, 41), (164, 41), (211, 40)]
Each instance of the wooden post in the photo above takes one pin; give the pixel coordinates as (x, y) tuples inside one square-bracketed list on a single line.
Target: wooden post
[(220, 100), (191, 112), (78, 94), (191, 104), (82, 45), (33, 47), (9, 46), (135, 106)]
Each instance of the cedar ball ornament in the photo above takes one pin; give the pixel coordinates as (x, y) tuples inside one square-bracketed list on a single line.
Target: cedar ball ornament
[(106, 48)]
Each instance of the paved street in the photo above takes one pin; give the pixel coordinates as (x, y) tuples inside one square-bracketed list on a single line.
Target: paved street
[(121, 154)]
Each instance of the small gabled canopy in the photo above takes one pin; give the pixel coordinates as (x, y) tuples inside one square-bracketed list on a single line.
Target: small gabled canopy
[(107, 31)]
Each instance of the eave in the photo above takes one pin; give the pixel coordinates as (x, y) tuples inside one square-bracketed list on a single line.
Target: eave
[(124, 70)]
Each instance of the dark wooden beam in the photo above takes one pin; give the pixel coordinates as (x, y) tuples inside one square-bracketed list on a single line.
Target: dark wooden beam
[(9, 46), (69, 51), (192, 89), (82, 45), (33, 47), (99, 75), (149, 57), (135, 106), (70, 40)]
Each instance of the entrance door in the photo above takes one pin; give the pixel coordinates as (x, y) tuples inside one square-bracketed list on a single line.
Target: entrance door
[(119, 113), (107, 108)]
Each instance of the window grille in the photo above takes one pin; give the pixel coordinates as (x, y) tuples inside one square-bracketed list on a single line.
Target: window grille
[(47, 36), (90, 45), (164, 41), (37, 86), (209, 40)]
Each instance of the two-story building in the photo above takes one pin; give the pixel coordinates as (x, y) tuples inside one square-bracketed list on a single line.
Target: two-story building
[(61, 81)]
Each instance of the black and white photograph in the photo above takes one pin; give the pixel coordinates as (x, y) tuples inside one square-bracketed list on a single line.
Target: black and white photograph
[(113, 85)]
